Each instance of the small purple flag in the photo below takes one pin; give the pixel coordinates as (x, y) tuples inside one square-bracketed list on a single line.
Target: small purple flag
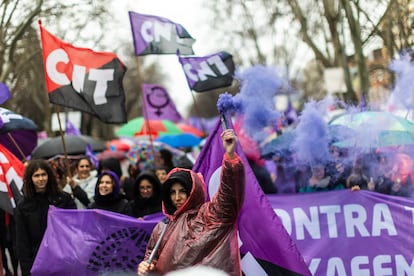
[(290, 114), (92, 242), (208, 72), (263, 237), (158, 104), (89, 153), (4, 93), (71, 129), (158, 35)]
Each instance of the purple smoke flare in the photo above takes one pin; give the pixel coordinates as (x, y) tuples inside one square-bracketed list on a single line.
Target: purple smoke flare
[(312, 138), (255, 102), (404, 90)]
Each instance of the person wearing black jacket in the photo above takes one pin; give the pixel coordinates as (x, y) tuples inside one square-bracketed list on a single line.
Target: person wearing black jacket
[(40, 190), (147, 195), (107, 195)]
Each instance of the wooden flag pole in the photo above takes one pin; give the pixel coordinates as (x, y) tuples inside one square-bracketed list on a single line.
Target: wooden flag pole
[(144, 107), (63, 143), (17, 146)]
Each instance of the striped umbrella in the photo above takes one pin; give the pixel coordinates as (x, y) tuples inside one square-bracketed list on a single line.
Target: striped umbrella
[(139, 126)]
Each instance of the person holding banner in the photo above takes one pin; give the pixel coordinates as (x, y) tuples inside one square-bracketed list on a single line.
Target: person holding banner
[(199, 232), (40, 190), (107, 194)]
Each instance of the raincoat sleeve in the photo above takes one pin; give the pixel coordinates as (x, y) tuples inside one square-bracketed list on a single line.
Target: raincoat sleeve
[(227, 203)]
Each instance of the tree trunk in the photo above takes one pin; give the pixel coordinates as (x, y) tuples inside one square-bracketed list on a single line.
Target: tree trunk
[(358, 46)]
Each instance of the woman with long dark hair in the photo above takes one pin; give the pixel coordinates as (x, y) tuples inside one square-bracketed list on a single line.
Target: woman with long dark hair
[(40, 190)]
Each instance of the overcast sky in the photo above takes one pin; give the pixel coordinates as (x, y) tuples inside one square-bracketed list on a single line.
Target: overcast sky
[(188, 13)]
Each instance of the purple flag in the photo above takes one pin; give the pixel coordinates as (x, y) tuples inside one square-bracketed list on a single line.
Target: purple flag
[(4, 93), (92, 242), (158, 35), (266, 245), (205, 124), (290, 114), (158, 104), (89, 153), (208, 72), (71, 129)]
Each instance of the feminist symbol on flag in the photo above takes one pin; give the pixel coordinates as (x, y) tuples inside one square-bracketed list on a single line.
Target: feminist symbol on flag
[(158, 99)]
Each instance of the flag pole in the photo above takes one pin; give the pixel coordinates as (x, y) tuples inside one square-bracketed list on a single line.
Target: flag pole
[(65, 152), (17, 146), (144, 108), (197, 111)]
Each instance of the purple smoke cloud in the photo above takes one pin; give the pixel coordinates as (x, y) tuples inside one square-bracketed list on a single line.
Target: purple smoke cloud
[(255, 102), (404, 89)]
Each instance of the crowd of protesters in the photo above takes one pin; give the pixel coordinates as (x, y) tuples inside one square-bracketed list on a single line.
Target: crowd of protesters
[(78, 184), (137, 193), (382, 172)]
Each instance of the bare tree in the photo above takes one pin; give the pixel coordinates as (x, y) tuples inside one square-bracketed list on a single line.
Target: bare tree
[(334, 30), (20, 52)]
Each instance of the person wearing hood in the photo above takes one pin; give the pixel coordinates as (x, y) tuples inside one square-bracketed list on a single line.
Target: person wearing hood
[(111, 164), (107, 194), (147, 195), (199, 232)]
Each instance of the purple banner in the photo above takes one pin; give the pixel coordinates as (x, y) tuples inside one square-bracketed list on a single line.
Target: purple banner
[(92, 242), (337, 233), (158, 104), (265, 244), (350, 233), (158, 35), (208, 72)]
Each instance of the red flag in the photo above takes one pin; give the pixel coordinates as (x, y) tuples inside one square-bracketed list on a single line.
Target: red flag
[(11, 179), (83, 79)]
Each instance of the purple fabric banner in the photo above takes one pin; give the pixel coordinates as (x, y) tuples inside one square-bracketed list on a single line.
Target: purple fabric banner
[(92, 242), (337, 233), (158, 104), (262, 236), (208, 72), (5, 94), (158, 35), (350, 233)]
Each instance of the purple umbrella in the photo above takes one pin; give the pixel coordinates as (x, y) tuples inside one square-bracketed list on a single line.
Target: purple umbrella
[(17, 133)]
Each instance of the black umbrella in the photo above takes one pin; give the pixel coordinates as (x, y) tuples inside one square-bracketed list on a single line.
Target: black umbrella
[(17, 133), (75, 145)]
